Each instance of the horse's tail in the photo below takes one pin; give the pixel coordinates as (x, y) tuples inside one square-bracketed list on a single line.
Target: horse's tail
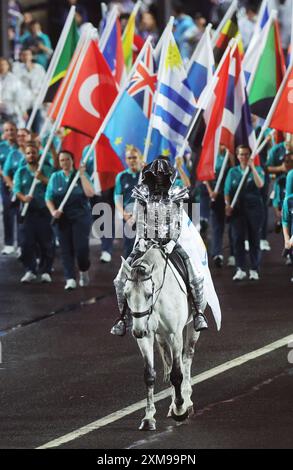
[(167, 358)]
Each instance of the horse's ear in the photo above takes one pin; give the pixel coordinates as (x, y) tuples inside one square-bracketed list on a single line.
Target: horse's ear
[(125, 265), (150, 269)]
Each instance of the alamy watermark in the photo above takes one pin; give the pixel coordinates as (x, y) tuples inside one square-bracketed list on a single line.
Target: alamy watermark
[(158, 221)]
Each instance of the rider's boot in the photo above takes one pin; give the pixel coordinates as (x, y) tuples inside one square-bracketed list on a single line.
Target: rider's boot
[(196, 281), (124, 323)]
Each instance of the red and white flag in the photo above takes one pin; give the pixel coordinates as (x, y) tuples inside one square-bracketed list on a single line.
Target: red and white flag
[(93, 93), (213, 119)]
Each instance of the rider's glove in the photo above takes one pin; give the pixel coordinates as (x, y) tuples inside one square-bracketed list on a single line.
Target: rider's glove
[(142, 245), (169, 247)]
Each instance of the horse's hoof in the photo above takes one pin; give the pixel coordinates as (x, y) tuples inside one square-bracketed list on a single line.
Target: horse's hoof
[(148, 425), (181, 417), (190, 411)]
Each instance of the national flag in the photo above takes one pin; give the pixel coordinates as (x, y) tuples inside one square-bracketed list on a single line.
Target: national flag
[(201, 65), (112, 49), (175, 103), (129, 123), (229, 31), (264, 83), (252, 52), (213, 119), (236, 123), (127, 40), (282, 118), (63, 62), (93, 93)]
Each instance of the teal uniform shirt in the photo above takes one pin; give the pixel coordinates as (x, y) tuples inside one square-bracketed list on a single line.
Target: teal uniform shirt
[(250, 192), (14, 160), (287, 213), (27, 41), (77, 204), (22, 182), (4, 151), (289, 183), (279, 191), (124, 184), (90, 163), (276, 155)]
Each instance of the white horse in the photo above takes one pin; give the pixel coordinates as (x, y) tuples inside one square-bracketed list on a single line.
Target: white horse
[(157, 299)]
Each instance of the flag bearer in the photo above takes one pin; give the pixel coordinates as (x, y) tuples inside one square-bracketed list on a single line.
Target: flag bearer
[(36, 234), (247, 216), (74, 223)]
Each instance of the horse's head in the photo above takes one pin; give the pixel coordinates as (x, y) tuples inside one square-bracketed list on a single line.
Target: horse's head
[(139, 291)]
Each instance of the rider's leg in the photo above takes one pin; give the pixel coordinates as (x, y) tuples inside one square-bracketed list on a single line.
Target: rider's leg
[(124, 323), (196, 280)]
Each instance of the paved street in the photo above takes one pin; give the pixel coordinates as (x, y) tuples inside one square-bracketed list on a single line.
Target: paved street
[(61, 369)]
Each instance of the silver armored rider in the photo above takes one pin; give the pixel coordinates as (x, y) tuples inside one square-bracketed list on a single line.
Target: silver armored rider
[(159, 207)]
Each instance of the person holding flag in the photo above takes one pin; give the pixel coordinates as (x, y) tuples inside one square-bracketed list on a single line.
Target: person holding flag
[(74, 223), (248, 215)]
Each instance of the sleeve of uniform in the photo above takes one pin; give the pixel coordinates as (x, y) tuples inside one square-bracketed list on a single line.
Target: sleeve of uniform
[(49, 196), (289, 183), (117, 188), (227, 185), (285, 214), (276, 199), (17, 182), (261, 173), (7, 165)]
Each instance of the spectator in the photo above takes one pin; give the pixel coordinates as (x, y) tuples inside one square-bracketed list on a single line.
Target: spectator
[(13, 96), (148, 26), (31, 76), (74, 223), (124, 202), (248, 215), (183, 25), (81, 12), (38, 42), (246, 24)]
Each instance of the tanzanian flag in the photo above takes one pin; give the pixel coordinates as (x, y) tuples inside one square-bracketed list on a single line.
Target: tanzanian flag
[(229, 31), (63, 62), (269, 73)]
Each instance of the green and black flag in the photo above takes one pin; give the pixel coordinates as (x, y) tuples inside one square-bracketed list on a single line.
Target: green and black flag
[(63, 62)]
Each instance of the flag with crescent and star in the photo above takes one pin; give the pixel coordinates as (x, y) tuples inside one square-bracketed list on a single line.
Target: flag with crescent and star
[(129, 122), (93, 93), (282, 118)]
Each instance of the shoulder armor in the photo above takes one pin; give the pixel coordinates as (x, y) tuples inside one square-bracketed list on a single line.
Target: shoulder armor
[(178, 194), (141, 193)]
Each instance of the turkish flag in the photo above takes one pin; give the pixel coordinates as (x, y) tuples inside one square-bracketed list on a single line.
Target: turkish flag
[(93, 93), (282, 119)]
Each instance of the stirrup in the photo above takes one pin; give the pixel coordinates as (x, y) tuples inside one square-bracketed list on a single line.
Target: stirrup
[(200, 322)]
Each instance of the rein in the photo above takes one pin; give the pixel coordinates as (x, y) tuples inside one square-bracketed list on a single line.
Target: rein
[(149, 311)]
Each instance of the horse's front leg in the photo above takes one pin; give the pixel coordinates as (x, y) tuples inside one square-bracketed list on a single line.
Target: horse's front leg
[(188, 353), (179, 411), (146, 346)]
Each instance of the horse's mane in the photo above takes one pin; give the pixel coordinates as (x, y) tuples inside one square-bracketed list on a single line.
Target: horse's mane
[(141, 265), (138, 272)]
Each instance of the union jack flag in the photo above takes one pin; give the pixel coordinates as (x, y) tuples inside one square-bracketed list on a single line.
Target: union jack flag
[(143, 83)]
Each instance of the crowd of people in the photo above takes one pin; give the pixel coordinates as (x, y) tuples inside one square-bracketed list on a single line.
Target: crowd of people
[(34, 239)]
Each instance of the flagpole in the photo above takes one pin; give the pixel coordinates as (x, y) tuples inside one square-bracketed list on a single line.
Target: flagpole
[(198, 46), (53, 62), (103, 125), (62, 86), (133, 13), (261, 134), (108, 28), (159, 76), (231, 10), (59, 117), (222, 172), (272, 18), (206, 94)]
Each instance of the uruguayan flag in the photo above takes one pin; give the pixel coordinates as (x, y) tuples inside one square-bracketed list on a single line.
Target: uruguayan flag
[(175, 103)]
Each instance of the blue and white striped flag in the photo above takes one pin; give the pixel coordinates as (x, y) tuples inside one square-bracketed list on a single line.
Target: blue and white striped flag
[(175, 103)]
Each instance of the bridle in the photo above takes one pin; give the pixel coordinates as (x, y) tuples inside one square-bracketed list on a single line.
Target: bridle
[(149, 311)]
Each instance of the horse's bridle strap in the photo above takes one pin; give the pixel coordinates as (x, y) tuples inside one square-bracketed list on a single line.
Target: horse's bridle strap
[(140, 314)]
